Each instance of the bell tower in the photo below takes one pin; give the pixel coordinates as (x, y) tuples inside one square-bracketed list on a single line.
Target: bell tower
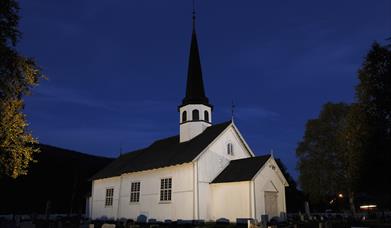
[(195, 112)]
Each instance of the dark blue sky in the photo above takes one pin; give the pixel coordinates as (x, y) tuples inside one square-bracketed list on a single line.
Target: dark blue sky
[(117, 68)]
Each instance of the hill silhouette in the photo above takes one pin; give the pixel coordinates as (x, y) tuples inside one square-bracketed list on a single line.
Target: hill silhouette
[(60, 178)]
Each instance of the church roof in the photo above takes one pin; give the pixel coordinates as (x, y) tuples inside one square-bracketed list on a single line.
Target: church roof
[(241, 169), (195, 92), (162, 153)]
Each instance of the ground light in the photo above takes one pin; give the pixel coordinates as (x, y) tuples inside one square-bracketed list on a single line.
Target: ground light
[(340, 195), (368, 207)]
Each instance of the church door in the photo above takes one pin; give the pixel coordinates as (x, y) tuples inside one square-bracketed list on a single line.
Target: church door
[(271, 204)]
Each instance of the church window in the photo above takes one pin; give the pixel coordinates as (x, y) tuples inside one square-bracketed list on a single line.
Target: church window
[(109, 197), (196, 114), (165, 189), (230, 149), (206, 116), (184, 116), (135, 192)]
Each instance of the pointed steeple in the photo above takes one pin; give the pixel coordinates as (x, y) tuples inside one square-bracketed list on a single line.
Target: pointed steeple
[(195, 92), (195, 112)]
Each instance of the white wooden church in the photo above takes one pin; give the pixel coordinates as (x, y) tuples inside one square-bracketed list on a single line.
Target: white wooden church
[(205, 173)]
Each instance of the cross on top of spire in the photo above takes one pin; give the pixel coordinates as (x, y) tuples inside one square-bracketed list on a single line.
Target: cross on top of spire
[(194, 15)]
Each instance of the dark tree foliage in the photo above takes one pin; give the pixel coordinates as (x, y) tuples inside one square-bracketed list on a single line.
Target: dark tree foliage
[(18, 75), (350, 140), (373, 95), (322, 169), (9, 18)]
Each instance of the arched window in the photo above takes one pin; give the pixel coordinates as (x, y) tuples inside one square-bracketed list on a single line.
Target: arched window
[(230, 149), (184, 116), (206, 116), (196, 114)]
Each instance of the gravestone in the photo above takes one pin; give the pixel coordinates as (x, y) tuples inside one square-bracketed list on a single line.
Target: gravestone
[(222, 221), (152, 221), (107, 225), (283, 216), (264, 219), (141, 219)]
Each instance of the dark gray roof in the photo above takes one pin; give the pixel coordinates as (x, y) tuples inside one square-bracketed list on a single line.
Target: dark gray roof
[(241, 169), (162, 153)]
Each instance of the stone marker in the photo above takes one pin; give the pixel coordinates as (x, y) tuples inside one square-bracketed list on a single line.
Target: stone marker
[(106, 225)]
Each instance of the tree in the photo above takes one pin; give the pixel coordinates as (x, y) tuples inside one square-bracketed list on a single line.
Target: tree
[(348, 147), (18, 75), (326, 167), (351, 143), (373, 95)]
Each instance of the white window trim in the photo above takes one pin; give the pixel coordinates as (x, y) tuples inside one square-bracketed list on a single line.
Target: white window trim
[(139, 193), (230, 148), (112, 197), (160, 191)]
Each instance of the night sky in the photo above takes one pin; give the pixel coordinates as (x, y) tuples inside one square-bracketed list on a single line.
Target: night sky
[(117, 69)]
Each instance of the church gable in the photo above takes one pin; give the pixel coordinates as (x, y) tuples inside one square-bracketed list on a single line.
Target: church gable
[(229, 145), (272, 166)]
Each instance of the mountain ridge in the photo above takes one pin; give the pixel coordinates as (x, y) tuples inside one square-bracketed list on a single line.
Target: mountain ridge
[(58, 180)]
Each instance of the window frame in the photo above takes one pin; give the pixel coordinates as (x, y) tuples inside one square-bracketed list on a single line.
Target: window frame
[(165, 195), (134, 196), (184, 116), (230, 149), (206, 116), (195, 113), (109, 198)]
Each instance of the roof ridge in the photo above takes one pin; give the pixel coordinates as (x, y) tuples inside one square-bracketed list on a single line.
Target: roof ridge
[(173, 136), (162, 153)]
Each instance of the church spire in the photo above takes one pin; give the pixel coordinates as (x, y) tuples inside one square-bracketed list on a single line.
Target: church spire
[(195, 112), (195, 92)]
